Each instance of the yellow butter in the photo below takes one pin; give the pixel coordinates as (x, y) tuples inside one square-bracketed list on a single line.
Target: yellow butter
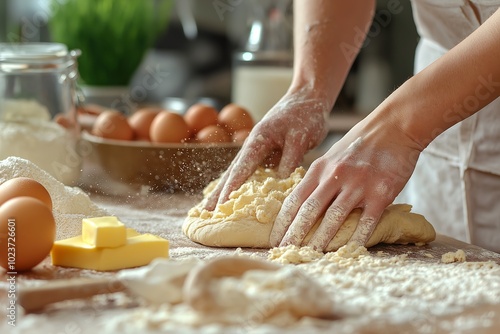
[(103, 232), (139, 250)]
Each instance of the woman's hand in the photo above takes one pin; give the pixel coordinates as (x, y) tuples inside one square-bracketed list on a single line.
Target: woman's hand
[(296, 124), (366, 169)]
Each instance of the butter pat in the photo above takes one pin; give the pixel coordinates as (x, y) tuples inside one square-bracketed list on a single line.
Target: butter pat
[(139, 250), (104, 232)]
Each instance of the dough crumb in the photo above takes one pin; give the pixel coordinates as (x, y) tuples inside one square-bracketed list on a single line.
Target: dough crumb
[(352, 250), (450, 257), (293, 254)]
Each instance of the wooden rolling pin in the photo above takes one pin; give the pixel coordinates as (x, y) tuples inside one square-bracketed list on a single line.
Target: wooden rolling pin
[(34, 298)]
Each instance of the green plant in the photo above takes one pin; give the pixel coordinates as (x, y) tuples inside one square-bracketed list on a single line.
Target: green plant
[(113, 35)]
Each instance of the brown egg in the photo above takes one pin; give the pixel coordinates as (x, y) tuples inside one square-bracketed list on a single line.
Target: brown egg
[(213, 134), (112, 124), (169, 127), (24, 186), (140, 121), (27, 233), (240, 136), (233, 118), (199, 116)]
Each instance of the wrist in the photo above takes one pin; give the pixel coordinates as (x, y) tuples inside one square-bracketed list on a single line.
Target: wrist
[(310, 93), (402, 117), (310, 88)]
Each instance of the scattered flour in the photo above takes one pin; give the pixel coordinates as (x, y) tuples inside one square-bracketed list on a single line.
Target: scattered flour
[(366, 289), (70, 204)]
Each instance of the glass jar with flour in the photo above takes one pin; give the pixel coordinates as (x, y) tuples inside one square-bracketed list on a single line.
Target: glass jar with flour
[(263, 69), (38, 98)]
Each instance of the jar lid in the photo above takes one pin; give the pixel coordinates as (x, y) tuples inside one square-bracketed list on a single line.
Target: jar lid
[(35, 56), (278, 58), (32, 50)]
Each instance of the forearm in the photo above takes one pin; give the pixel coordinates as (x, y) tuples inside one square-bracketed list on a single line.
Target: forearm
[(455, 86), (328, 35)]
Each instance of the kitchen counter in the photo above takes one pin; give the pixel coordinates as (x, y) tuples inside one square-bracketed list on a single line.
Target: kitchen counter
[(163, 214)]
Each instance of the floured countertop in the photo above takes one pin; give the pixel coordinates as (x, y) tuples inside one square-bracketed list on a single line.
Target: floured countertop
[(396, 289)]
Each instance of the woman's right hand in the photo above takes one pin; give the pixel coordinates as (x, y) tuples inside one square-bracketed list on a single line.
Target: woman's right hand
[(296, 124)]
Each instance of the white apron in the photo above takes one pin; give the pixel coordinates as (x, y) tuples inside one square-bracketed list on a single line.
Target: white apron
[(456, 183)]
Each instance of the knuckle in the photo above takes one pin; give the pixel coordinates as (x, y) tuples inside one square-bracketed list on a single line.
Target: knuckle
[(368, 221), (311, 206), (309, 211), (335, 213), (291, 201)]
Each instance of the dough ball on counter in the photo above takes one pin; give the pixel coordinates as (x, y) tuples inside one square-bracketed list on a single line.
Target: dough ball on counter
[(199, 116), (169, 127), (247, 218), (112, 124)]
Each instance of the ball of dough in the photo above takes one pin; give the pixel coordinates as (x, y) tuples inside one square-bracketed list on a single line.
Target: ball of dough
[(247, 218)]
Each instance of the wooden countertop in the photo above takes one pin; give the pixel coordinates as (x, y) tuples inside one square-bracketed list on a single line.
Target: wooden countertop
[(163, 214), (433, 251)]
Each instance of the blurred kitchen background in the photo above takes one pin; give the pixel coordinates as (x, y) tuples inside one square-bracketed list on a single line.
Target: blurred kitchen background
[(195, 53)]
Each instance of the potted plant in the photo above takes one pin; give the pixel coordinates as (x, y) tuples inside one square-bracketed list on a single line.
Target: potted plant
[(113, 36)]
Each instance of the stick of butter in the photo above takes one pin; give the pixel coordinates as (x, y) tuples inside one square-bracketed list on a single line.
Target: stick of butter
[(104, 232), (139, 250)]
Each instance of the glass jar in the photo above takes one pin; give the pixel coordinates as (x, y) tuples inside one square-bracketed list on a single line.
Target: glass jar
[(38, 98), (260, 79), (263, 70)]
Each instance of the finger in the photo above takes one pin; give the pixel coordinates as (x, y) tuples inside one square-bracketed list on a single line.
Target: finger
[(303, 222), (289, 209), (291, 157), (309, 213), (213, 198), (366, 225), (244, 167), (334, 217)]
